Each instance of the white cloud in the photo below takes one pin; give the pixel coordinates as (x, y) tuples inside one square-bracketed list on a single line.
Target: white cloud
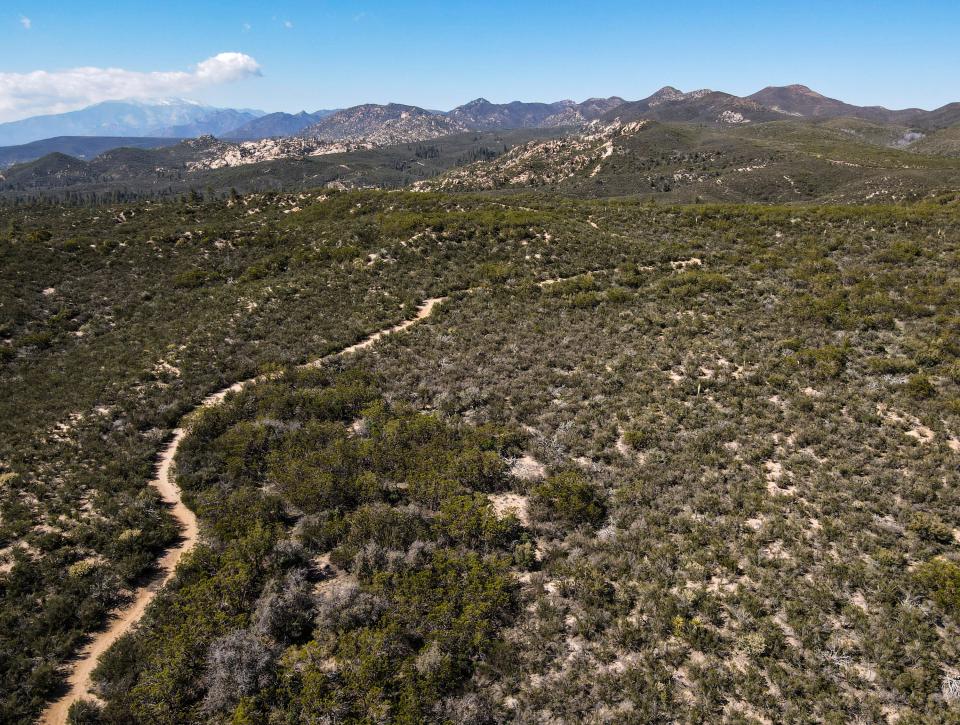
[(287, 24), (225, 68), (26, 22), (30, 94)]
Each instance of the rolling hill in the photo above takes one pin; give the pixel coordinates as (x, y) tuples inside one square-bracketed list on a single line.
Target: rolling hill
[(81, 147), (285, 164), (781, 161)]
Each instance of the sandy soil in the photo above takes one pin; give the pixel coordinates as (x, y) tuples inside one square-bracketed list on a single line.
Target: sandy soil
[(528, 468), (510, 503)]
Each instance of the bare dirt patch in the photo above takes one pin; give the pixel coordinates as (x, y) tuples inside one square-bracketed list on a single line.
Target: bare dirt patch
[(528, 468), (505, 504)]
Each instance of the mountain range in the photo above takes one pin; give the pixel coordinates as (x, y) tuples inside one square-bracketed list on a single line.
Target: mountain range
[(382, 125), (169, 118), (396, 123), (771, 104), (703, 143), (483, 115)]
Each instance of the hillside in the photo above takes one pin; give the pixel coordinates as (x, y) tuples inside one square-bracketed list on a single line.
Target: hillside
[(80, 147), (702, 106), (482, 115), (660, 462), (834, 160), (271, 164), (782, 162), (944, 117), (798, 100), (945, 142)]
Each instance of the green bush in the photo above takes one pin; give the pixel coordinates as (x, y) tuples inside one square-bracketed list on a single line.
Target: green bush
[(691, 283), (586, 300), (470, 521), (193, 278), (919, 387), (891, 365), (826, 362), (569, 498), (940, 580), (85, 712), (930, 527), (638, 438)]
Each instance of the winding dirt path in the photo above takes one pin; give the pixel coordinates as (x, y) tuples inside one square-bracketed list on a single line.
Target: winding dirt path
[(79, 680), (80, 684)]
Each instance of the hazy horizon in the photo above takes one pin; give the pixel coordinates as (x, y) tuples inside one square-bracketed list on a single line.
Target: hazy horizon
[(298, 56)]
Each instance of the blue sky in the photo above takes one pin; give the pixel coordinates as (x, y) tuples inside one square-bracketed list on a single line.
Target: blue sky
[(329, 53)]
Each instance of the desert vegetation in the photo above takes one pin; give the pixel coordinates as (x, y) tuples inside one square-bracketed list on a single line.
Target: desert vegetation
[(353, 564), (739, 429)]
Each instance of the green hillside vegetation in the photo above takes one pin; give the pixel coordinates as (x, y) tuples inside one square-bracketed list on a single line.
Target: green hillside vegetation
[(778, 162), (868, 148), (880, 134), (944, 142), (385, 536), (749, 420), (129, 174), (776, 429), (838, 160), (83, 147), (116, 320)]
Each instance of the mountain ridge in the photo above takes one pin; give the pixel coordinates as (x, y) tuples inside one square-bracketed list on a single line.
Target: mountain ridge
[(169, 117), (252, 137), (277, 124), (800, 100), (397, 122), (383, 124)]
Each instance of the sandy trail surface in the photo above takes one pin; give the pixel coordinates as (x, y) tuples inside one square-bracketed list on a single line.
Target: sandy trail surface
[(79, 682)]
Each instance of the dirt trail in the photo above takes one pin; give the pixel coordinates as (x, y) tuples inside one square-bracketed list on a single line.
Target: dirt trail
[(79, 681), (423, 311), (557, 280)]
